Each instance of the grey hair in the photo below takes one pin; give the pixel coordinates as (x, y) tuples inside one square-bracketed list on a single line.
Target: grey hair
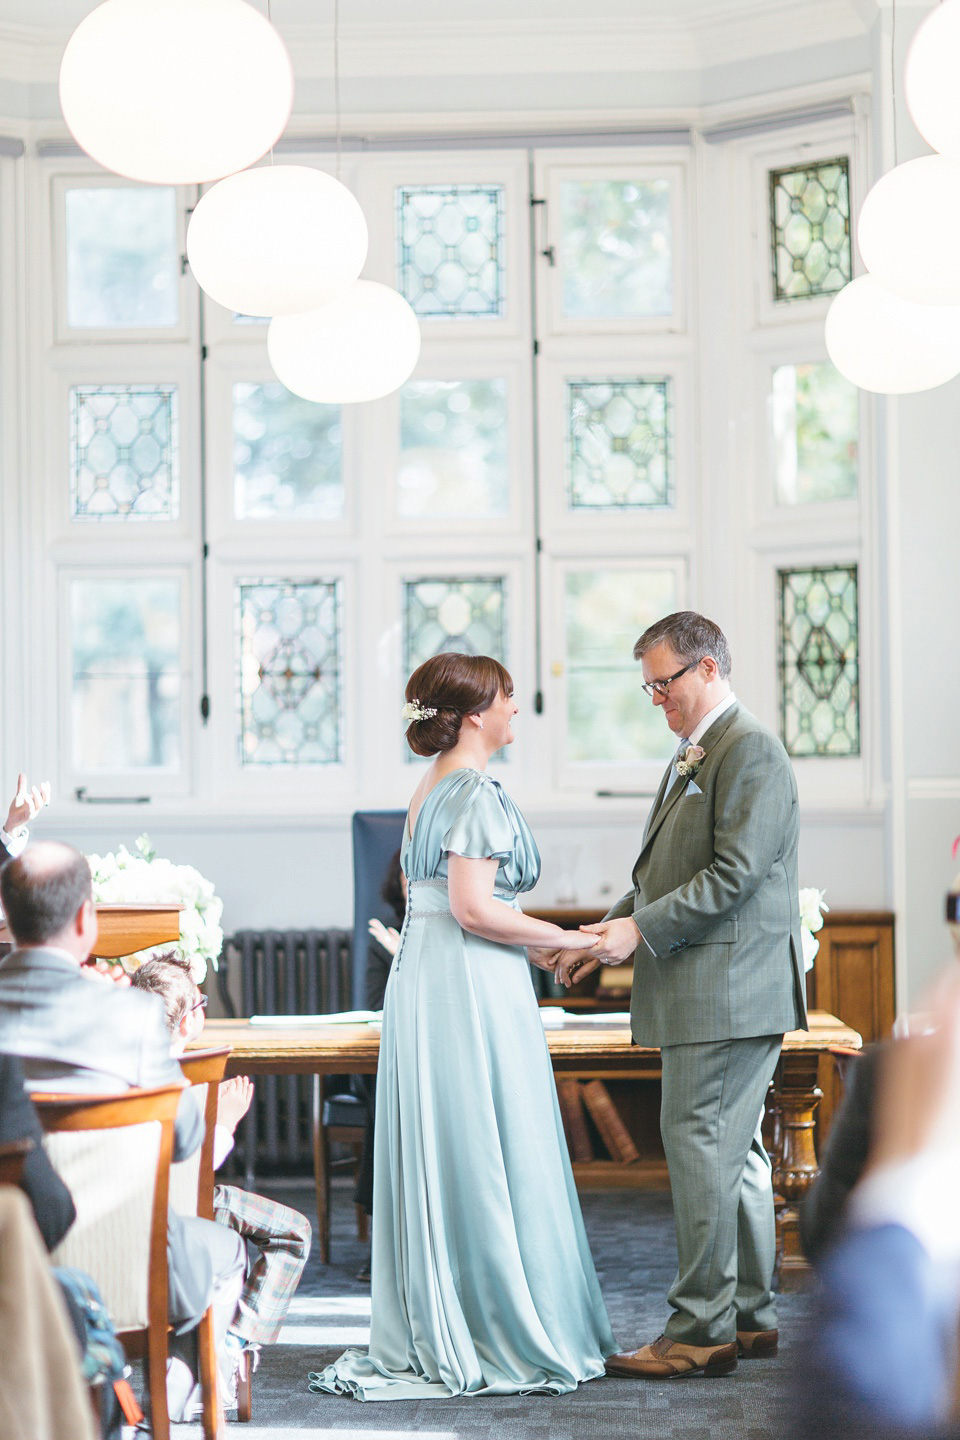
[(692, 636)]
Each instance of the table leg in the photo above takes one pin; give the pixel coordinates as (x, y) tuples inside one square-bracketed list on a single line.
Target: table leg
[(796, 1096)]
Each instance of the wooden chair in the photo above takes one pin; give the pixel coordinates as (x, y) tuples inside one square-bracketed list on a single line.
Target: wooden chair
[(342, 1118), (192, 1181), (114, 1152), (13, 1156)]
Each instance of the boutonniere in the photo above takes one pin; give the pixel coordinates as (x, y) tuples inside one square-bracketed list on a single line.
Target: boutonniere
[(690, 761)]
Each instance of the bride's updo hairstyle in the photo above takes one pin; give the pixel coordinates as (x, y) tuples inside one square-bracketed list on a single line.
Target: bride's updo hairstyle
[(453, 686)]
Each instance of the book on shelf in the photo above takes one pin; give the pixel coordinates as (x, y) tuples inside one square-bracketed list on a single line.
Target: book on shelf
[(606, 1117), (574, 1120)]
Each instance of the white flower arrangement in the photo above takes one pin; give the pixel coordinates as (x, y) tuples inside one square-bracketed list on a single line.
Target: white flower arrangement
[(812, 906), (145, 879)]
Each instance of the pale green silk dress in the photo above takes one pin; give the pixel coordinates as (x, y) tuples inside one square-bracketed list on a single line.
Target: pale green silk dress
[(482, 1278)]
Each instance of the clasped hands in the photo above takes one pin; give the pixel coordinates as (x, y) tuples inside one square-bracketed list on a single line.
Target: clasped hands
[(615, 941)]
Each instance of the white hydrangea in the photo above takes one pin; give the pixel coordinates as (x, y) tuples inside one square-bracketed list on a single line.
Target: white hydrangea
[(146, 879), (812, 906)]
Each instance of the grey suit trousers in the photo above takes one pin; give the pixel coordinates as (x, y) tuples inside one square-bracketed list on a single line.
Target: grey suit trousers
[(720, 1176)]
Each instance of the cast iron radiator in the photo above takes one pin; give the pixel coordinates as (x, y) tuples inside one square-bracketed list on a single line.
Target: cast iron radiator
[(289, 972)]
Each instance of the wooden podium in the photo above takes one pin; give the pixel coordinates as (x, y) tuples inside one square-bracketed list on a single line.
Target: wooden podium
[(127, 928)]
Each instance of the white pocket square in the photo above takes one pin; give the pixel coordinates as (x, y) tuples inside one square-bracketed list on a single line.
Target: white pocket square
[(693, 789)]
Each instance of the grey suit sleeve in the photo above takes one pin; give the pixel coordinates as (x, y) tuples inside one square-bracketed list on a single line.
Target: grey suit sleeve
[(753, 802), (624, 907)]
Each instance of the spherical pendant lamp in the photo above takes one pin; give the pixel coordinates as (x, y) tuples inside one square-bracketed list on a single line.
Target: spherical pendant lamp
[(930, 78), (277, 240), (176, 92), (908, 230), (884, 343), (360, 346)]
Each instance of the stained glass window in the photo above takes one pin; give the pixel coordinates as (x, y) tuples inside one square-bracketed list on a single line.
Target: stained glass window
[(453, 449), (609, 719), (816, 430), (810, 223), (454, 614), (819, 661), (126, 660), (286, 455), (290, 672), (450, 250), (616, 248), (124, 452), (123, 261), (618, 444)]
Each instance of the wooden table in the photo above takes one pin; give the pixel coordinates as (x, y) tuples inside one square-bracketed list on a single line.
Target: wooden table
[(124, 929), (582, 1050)]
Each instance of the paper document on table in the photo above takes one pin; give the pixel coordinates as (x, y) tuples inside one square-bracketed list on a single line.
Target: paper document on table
[(554, 1017), (342, 1017)]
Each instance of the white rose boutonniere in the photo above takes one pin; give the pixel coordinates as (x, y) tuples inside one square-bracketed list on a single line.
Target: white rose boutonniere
[(812, 906), (690, 760)]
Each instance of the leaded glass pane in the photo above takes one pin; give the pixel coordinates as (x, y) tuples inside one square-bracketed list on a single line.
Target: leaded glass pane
[(126, 660), (458, 614), (810, 222), (124, 452), (819, 661), (453, 449), (815, 414), (123, 264), (450, 250), (287, 455), (618, 444), (290, 682), (609, 719), (616, 248)]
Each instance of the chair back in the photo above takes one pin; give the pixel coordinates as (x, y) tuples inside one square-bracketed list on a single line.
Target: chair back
[(376, 835), (12, 1159), (113, 1152), (191, 1180)]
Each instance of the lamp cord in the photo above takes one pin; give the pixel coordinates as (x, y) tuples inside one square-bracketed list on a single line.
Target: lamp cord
[(893, 78), (336, 76)]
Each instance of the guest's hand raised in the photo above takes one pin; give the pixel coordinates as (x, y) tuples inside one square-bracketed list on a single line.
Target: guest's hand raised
[(233, 1101), (109, 970), (26, 803)]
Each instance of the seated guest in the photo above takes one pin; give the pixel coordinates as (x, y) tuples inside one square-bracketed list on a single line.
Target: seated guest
[(79, 1036), (882, 1356), (27, 801), (50, 1200), (280, 1235)]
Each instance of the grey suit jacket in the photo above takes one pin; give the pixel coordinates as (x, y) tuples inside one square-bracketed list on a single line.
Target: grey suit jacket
[(715, 896), (80, 1035)]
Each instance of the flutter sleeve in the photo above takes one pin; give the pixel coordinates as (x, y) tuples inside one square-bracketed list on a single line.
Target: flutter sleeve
[(482, 829)]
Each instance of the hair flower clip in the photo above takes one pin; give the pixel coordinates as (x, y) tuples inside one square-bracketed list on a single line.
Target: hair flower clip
[(413, 710)]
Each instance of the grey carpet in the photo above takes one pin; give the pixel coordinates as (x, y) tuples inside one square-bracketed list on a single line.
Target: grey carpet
[(631, 1234)]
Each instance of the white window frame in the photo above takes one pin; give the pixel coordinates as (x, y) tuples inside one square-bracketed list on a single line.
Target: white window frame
[(377, 186), (642, 777), (81, 176), (301, 788), (553, 168), (124, 784), (654, 528)]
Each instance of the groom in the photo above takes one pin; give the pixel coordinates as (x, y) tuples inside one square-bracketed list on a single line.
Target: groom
[(713, 925)]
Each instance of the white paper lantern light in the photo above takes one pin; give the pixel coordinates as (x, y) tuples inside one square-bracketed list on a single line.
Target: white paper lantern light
[(278, 240), (176, 92), (930, 78), (360, 346), (909, 227), (884, 343)]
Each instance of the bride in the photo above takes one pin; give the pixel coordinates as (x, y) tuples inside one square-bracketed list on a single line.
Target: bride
[(482, 1279)]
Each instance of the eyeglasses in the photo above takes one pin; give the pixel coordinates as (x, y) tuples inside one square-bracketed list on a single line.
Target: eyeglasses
[(662, 687), (201, 1004)]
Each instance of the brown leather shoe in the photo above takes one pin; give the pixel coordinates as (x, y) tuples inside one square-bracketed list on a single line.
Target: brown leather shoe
[(757, 1344), (666, 1359)]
